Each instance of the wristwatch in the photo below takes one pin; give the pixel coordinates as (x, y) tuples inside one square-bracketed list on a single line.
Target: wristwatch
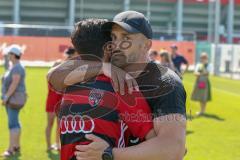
[(107, 154)]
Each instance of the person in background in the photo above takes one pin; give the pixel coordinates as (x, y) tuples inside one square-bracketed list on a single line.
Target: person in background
[(52, 103), (13, 82), (166, 60), (6, 59), (154, 56), (202, 87), (178, 59)]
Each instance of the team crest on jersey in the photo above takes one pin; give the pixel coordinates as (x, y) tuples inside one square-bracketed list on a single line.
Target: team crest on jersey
[(95, 97)]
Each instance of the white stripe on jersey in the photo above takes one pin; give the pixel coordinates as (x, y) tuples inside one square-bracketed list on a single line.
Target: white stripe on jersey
[(121, 141)]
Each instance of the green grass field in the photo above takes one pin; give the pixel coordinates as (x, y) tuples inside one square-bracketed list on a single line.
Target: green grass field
[(212, 137)]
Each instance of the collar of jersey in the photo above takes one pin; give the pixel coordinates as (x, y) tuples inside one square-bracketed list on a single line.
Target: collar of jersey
[(102, 77)]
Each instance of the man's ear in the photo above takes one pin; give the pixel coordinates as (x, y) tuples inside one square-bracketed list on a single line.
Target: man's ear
[(148, 44)]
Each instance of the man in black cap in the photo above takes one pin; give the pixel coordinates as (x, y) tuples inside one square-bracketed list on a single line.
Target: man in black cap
[(163, 89)]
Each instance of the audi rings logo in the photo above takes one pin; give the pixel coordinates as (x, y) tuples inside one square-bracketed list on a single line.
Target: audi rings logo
[(76, 124)]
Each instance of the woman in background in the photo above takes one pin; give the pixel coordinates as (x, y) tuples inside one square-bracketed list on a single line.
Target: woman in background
[(13, 83), (202, 87), (154, 56), (166, 61)]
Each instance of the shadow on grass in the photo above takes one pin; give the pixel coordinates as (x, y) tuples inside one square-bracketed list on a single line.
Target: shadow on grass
[(189, 132), (53, 155), (212, 116), (205, 115)]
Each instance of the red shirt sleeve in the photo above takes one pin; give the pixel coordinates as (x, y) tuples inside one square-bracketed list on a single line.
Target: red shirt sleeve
[(53, 100), (136, 113)]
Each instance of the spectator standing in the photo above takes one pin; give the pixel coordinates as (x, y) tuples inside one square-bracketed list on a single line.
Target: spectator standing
[(14, 93), (166, 60), (202, 87), (178, 59)]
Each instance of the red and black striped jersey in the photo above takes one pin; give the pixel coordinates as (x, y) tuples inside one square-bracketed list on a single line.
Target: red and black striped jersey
[(94, 107)]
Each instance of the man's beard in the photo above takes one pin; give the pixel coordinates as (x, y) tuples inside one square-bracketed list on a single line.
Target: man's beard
[(119, 59)]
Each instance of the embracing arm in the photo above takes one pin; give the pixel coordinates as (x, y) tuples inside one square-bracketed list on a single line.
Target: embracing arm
[(72, 71), (169, 144)]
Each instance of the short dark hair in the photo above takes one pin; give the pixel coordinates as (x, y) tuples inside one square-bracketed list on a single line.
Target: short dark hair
[(89, 38), (69, 51)]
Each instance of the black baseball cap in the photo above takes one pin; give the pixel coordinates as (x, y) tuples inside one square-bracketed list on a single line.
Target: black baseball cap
[(132, 22)]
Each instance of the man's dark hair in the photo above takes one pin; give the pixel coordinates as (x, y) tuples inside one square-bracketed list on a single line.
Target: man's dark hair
[(88, 37)]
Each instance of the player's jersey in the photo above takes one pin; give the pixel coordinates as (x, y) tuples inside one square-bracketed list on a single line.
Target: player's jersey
[(53, 100), (95, 108)]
